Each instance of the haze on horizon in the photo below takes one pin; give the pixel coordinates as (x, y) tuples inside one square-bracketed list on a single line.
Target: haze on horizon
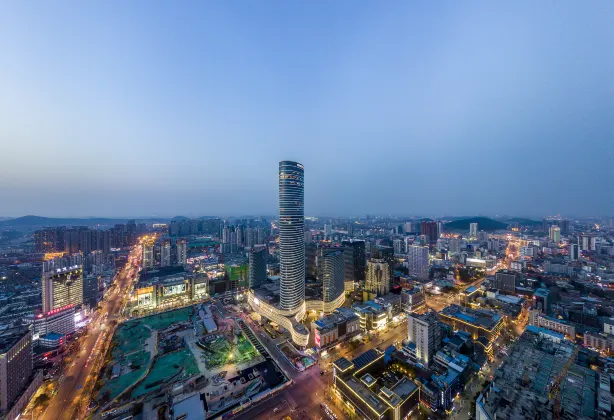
[(126, 109)]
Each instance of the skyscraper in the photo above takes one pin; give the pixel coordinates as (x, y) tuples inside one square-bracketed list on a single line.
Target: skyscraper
[(330, 272), (291, 235), (355, 262), (257, 266)]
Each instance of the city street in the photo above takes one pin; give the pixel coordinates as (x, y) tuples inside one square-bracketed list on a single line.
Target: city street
[(66, 401)]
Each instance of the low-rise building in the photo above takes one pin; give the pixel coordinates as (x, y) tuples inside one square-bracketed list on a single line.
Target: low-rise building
[(371, 391), (335, 328), (559, 325)]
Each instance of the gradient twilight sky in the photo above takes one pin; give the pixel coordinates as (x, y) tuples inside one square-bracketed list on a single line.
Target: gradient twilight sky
[(136, 108)]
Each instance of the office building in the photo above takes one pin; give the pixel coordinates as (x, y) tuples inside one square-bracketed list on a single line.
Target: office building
[(473, 230), (430, 230), (386, 253), (555, 233), (331, 274), (257, 266), (423, 337), (291, 235), (182, 251), (62, 287), (574, 252), (506, 280), (412, 300), (418, 261), (377, 280), (16, 371), (355, 263)]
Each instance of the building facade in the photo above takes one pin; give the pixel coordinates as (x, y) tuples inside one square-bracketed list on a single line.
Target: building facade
[(291, 235), (62, 287)]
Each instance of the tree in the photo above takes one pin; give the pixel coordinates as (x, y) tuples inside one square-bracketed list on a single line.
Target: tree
[(42, 399)]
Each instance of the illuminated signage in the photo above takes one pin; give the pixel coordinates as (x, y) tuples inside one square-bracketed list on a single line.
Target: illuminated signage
[(144, 290), (174, 290), (56, 310)]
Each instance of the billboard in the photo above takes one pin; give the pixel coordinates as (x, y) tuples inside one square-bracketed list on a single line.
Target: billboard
[(145, 299), (200, 289), (174, 289)]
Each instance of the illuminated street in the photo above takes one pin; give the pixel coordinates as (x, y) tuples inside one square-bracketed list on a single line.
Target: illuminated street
[(67, 403)]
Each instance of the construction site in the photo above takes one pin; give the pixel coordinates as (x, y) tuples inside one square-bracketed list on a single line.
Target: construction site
[(194, 351), (540, 379)]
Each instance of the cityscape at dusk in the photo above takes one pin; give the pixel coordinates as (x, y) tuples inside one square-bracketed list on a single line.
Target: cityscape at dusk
[(336, 210)]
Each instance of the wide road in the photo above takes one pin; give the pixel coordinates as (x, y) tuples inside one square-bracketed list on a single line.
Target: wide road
[(303, 399), (64, 403)]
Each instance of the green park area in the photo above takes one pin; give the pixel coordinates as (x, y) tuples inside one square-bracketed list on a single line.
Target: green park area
[(131, 351)]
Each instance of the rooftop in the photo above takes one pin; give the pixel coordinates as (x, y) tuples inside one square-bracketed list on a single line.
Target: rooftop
[(480, 318), (10, 336)]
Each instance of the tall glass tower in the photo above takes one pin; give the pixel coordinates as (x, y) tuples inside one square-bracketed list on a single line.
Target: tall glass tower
[(291, 235)]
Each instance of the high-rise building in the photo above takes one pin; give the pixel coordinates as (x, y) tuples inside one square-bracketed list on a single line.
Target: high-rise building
[(430, 230), (355, 263), (328, 230), (589, 243), (506, 280), (574, 252), (454, 245), (331, 274), (399, 246), (182, 251), (424, 332), (15, 368), (165, 253), (387, 254), (378, 277), (62, 287), (259, 236), (473, 230), (555, 233), (350, 229), (291, 235), (418, 261), (257, 266), (148, 256)]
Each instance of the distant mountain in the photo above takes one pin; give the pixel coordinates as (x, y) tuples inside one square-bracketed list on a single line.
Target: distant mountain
[(522, 221), (484, 223), (38, 221), (179, 218)]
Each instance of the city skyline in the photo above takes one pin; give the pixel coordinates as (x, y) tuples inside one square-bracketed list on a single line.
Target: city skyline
[(410, 109)]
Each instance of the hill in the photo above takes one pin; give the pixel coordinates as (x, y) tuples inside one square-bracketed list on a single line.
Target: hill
[(522, 221), (484, 223), (38, 221)]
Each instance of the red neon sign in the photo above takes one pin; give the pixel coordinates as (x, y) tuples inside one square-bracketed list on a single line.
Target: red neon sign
[(56, 310)]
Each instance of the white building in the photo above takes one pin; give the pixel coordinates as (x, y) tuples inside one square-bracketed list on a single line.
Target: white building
[(423, 336), (418, 261), (473, 230)]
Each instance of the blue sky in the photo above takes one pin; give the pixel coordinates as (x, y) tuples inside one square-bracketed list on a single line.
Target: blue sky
[(444, 108)]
